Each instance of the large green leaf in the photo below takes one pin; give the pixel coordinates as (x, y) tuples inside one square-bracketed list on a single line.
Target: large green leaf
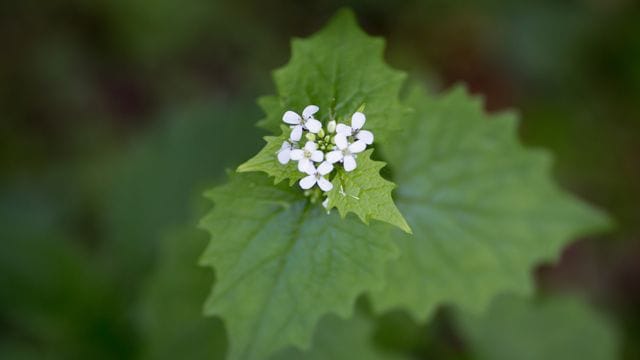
[(483, 208), (282, 262), (339, 69), (556, 328)]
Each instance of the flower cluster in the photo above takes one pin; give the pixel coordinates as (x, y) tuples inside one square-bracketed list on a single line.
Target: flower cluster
[(337, 144)]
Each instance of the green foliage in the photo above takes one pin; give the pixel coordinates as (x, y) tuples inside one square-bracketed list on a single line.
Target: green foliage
[(87, 77), (282, 263), (482, 207), (556, 328), (265, 160), (366, 194)]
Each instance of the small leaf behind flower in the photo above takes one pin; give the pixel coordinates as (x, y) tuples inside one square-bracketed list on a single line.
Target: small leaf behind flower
[(266, 161), (365, 193)]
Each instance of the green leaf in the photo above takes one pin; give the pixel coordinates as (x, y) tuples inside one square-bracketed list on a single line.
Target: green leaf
[(482, 207), (556, 328), (365, 193), (282, 263), (340, 339), (266, 160), (340, 69)]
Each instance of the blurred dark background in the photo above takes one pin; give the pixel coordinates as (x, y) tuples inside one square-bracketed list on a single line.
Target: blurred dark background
[(116, 114)]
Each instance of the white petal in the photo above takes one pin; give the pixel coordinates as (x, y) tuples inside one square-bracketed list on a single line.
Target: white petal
[(349, 163), (357, 120), (324, 184), (357, 147), (313, 125), (366, 136), (284, 156), (307, 182), (291, 118), (310, 146), (306, 166), (309, 111), (296, 133), (325, 168), (343, 129), (334, 156), (297, 154), (341, 141), (317, 156)]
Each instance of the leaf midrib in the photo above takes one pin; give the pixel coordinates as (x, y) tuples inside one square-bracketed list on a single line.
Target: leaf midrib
[(278, 283)]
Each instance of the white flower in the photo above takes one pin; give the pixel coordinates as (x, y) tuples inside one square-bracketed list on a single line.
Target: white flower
[(345, 152), (357, 122), (284, 154), (316, 176), (305, 156), (304, 122)]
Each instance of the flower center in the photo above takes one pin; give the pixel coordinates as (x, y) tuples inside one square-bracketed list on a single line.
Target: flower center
[(307, 153), (324, 143)]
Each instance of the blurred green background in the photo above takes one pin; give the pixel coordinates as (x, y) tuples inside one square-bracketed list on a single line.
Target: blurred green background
[(115, 115)]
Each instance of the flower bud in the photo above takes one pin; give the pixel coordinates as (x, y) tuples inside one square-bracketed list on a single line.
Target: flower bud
[(310, 137), (321, 133), (331, 126)]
